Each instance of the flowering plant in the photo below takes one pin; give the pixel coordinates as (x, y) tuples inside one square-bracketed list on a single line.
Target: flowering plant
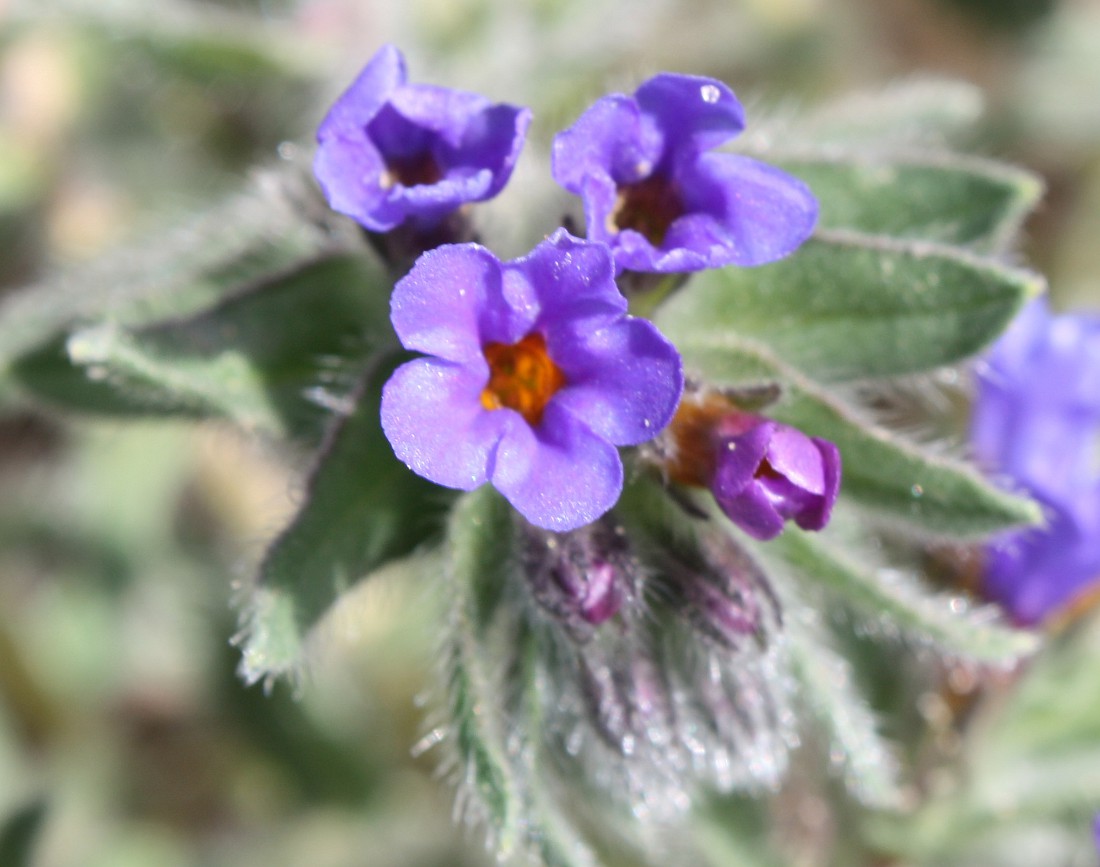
[(659, 529)]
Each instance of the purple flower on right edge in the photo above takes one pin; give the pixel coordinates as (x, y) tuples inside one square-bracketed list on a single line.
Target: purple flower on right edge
[(659, 195), (1037, 421)]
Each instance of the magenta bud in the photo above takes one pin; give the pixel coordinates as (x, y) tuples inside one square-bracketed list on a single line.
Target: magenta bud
[(582, 578), (769, 473)]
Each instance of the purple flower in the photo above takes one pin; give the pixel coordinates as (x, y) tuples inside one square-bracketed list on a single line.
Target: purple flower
[(661, 198), (762, 473), (390, 151), (1036, 421), (770, 473), (536, 374)]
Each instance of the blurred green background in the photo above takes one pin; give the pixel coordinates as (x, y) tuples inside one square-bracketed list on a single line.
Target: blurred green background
[(125, 736)]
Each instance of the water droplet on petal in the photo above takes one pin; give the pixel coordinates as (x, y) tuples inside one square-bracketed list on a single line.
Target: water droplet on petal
[(710, 93)]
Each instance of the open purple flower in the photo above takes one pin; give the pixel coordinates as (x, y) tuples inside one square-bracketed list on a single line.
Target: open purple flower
[(536, 374), (389, 151), (661, 198), (1036, 420)]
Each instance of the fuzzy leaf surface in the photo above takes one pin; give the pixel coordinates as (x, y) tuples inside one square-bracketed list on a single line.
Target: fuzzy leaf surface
[(848, 306), (255, 358), (891, 478), (362, 508), (277, 225), (918, 112), (951, 624), (828, 688), (479, 556), (938, 197)]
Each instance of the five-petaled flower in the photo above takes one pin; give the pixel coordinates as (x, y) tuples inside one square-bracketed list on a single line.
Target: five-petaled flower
[(656, 192), (761, 473), (1036, 420), (536, 373), (389, 151)]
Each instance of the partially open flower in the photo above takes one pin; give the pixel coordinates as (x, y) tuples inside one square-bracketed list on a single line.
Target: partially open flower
[(536, 375), (656, 192), (1037, 420), (762, 473), (389, 151)]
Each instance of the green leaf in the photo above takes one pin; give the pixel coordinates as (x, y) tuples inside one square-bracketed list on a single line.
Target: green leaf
[(18, 833), (827, 687), (362, 509), (849, 306), (890, 478), (270, 358), (917, 112), (276, 226), (951, 623), (1039, 752), (1030, 758), (930, 196), (479, 547)]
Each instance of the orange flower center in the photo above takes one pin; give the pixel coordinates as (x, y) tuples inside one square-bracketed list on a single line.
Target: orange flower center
[(648, 207), (522, 376)]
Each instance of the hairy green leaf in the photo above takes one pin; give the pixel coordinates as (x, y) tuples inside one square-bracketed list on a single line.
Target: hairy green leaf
[(827, 687), (479, 549), (276, 226), (272, 358), (954, 625), (362, 508), (18, 833), (917, 112), (934, 197), (853, 306), (892, 479)]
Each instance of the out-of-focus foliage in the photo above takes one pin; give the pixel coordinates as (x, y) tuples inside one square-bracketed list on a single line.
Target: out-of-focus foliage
[(126, 737)]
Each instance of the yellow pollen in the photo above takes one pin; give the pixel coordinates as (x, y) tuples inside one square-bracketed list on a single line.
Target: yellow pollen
[(522, 376)]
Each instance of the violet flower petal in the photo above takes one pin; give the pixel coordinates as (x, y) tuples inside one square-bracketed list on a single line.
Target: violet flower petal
[(433, 418), (560, 475), (613, 141), (571, 281), (1036, 418), (624, 381), (766, 213), (692, 111), (454, 301)]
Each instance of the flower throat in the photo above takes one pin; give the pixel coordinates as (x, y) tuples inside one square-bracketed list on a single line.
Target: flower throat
[(522, 376)]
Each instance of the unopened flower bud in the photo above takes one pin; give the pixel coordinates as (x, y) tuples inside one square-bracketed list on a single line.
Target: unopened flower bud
[(762, 473), (771, 473), (581, 578)]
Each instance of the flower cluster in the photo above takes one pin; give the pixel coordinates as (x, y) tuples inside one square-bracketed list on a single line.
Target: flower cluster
[(534, 373), (1037, 420)]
